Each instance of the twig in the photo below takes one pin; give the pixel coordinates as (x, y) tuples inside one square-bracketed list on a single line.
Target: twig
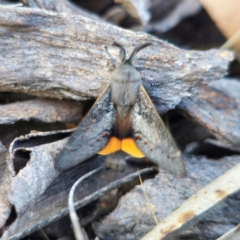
[(73, 215), (146, 196)]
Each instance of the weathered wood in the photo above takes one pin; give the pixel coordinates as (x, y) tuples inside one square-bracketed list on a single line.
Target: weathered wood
[(115, 14), (3, 157), (61, 6), (170, 13), (137, 10), (45, 110), (52, 205), (9, 132), (217, 108), (30, 171), (61, 56), (5, 205), (193, 209), (132, 218)]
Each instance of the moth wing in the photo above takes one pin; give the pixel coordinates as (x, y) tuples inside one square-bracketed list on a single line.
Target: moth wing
[(92, 134), (152, 137)]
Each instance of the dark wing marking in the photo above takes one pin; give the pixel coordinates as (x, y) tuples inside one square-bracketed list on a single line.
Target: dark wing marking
[(92, 134), (152, 137)]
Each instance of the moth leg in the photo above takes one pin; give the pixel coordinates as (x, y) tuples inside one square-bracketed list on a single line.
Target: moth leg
[(116, 161)]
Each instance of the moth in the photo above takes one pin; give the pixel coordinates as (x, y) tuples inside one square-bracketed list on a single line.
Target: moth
[(123, 119)]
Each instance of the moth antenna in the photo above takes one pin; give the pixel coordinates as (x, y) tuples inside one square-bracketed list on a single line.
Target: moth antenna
[(136, 50), (122, 53), (110, 57)]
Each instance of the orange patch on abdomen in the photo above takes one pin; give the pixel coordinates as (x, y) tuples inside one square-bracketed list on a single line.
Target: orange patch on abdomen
[(113, 145), (126, 145), (122, 138)]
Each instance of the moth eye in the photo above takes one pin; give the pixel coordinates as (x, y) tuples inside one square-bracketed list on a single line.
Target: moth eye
[(91, 144), (98, 139), (145, 142)]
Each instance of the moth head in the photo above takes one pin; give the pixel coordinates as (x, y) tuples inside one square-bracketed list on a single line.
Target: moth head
[(122, 53)]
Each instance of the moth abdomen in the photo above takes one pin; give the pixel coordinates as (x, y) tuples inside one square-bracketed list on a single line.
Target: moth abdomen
[(122, 127)]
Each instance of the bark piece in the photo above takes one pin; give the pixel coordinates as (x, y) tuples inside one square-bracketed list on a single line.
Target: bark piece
[(95, 6), (225, 17), (192, 210), (178, 11), (160, 8), (3, 157), (44, 110), (217, 108), (62, 56), (5, 206), (60, 6), (10, 132), (115, 14), (30, 171), (132, 218), (137, 10), (53, 203)]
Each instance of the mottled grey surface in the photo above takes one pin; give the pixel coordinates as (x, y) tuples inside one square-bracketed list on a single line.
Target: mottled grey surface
[(132, 218), (3, 157), (217, 108), (43, 110), (62, 56), (29, 171), (4, 183)]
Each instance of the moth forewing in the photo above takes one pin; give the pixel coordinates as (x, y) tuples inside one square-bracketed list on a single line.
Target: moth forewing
[(92, 134), (152, 137)]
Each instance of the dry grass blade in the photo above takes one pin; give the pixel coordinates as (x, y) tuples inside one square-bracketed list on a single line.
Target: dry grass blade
[(192, 209), (146, 196), (231, 41), (73, 215), (225, 15)]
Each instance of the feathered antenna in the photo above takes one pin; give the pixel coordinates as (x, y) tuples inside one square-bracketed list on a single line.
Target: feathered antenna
[(122, 53), (136, 50)]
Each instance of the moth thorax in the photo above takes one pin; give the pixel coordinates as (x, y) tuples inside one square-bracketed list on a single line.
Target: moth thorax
[(125, 84)]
